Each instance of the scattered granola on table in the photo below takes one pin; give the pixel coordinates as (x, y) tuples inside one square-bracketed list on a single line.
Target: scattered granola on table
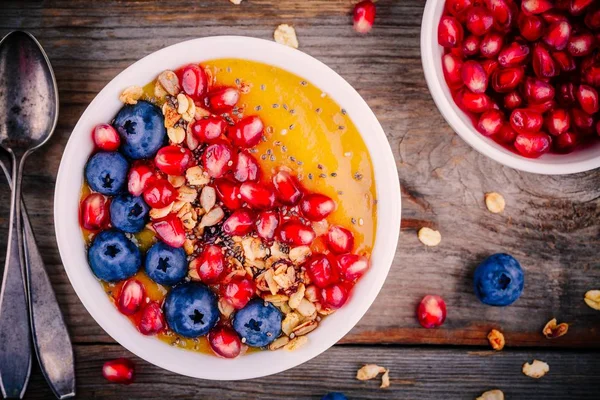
[(429, 237), (494, 202), (495, 394), (496, 339), (552, 330), (592, 299), (371, 371), (286, 34), (536, 369)]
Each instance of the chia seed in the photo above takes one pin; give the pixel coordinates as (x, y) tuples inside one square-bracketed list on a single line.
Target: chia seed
[(257, 108), (263, 157), (277, 143), (340, 192), (358, 176), (333, 174), (322, 176), (283, 148), (299, 163), (344, 111), (285, 107), (272, 158), (291, 127), (275, 105), (292, 111), (237, 81), (353, 220), (304, 83), (292, 159), (318, 110), (341, 127), (310, 176), (263, 87), (320, 166)]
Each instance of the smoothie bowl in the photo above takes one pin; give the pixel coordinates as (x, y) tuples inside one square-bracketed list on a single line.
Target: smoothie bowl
[(227, 208)]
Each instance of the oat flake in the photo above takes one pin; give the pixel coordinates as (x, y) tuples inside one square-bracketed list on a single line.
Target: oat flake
[(286, 34), (494, 202), (429, 237), (536, 369)]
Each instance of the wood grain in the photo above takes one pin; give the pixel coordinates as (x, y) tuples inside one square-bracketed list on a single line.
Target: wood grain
[(414, 374), (551, 223)]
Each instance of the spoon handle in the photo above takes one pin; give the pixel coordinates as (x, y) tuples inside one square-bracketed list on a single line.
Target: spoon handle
[(15, 344)]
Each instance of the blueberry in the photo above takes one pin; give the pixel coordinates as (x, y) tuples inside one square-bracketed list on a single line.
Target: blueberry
[(165, 264), (106, 172), (499, 280), (141, 127), (191, 309), (113, 257), (259, 323), (334, 396), (129, 213)]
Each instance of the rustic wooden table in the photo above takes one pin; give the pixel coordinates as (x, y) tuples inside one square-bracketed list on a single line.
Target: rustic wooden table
[(551, 223)]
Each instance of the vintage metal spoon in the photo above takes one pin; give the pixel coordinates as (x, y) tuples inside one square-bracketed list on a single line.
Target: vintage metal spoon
[(29, 111)]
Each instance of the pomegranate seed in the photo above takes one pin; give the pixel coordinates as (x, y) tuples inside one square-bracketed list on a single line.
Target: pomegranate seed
[(257, 195), (317, 206), (557, 35), (523, 120), (160, 193), (245, 167), (470, 46), (566, 94), (450, 32), (590, 72), (139, 177), (531, 27), (490, 66), (322, 270), (506, 134), (120, 370), (513, 100), (131, 297), (106, 137), (502, 13), (173, 160), (513, 55), (479, 21), (490, 122), (452, 65), (225, 342), (340, 240), (542, 108), (598, 128), (577, 7), (247, 132), (536, 6), (566, 142), (456, 7), (266, 224), (217, 159), (491, 44), (474, 76), (588, 99), (431, 311), (286, 188), (564, 61), (592, 19), (210, 264), (152, 320), (239, 223), (543, 64), (552, 16), (193, 81), (476, 102), (170, 230), (581, 45), (507, 79), (229, 194), (558, 121), (582, 121), (364, 16), (537, 91), (532, 144), (95, 215), (335, 296), (209, 129), (238, 292), (352, 266), (296, 233), (222, 99)]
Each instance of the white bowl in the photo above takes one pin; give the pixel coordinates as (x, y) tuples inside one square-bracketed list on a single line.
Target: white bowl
[(72, 248), (548, 164)]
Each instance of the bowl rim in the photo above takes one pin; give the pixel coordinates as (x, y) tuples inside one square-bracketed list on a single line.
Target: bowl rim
[(548, 164), (79, 146)]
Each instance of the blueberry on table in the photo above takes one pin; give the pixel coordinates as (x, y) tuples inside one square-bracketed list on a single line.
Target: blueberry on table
[(141, 127), (334, 396), (499, 280), (166, 265), (191, 309), (106, 173), (113, 257), (129, 213), (259, 323)]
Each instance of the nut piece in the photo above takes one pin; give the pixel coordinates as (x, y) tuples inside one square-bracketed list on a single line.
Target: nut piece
[(188, 246), (494, 202), (496, 339), (296, 343), (385, 379), (213, 217), (592, 299), (306, 308), (182, 103), (187, 194), (536, 370), (225, 307), (169, 82), (176, 134), (131, 95), (176, 180), (290, 322), (553, 331), (286, 34), (300, 254), (429, 237), (369, 371), (491, 395), (305, 328), (196, 176), (208, 198), (297, 297), (158, 213), (279, 343)]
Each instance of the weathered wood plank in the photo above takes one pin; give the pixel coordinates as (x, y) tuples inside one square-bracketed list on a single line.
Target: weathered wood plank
[(551, 224), (414, 373)]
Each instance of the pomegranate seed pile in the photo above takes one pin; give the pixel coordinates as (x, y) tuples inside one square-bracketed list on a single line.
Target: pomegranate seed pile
[(527, 72)]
